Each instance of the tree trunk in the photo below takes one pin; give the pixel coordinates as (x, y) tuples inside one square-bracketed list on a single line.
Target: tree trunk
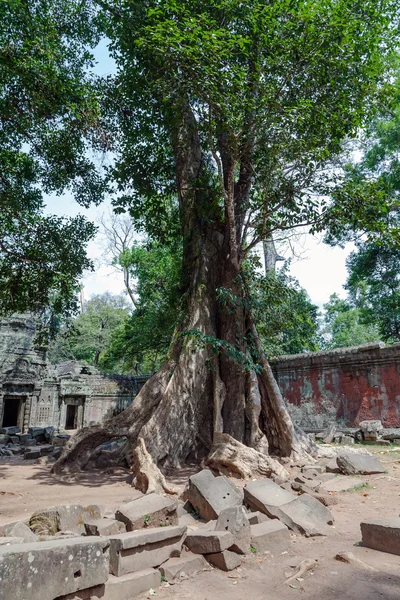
[(203, 390)]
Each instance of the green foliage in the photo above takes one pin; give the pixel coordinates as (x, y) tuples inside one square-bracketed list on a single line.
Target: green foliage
[(345, 325), (89, 335), (49, 114)]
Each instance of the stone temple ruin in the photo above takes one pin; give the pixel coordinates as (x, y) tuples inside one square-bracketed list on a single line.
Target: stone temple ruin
[(67, 396)]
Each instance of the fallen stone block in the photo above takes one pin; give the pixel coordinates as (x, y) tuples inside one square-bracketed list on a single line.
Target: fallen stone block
[(104, 527), (226, 560), (209, 495), (132, 584), (371, 430), (270, 536), (317, 468), (4, 439), (150, 510), (18, 529), (187, 563), (48, 570), (10, 430), (32, 453), (332, 466), (25, 439), (7, 541), (383, 535), (359, 464), (234, 519), (187, 519), (340, 484), (266, 496), (207, 542), (46, 449), (16, 449), (348, 440), (134, 551), (257, 517), (311, 473), (60, 439), (66, 517), (307, 516)]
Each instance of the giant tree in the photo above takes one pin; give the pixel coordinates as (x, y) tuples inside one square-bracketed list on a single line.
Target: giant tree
[(235, 109)]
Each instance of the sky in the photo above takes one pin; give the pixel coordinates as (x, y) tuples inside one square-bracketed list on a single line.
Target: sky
[(320, 269)]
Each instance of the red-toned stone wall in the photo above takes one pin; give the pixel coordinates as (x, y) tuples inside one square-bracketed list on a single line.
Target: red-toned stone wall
[(350, 384)]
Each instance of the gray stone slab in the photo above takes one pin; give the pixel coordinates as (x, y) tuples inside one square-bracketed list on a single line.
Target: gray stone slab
[(187, 564), (65, 517), (226, 560), (32, 453), (104, 527), (10, 430), (48, 570), (145, 548), (209, 495), (383, 535), (266, 496), (132, 584), (340, 484), (270, 536), (18, 529), (7, 541), (150, 510), (359, 464), (234, 519), (307, 516), (206, 542), (257, 517)]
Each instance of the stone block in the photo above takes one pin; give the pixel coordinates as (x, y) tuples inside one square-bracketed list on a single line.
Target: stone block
[(4, 439), (317, 468), (14, 439), (93, 593), (65, 517), (266, 496), (307, 516), (235, 520), (150, 510), (25, 439), (340, 484), (104, 527), (207, 542), (348, 440), (18, 529), (134, 551), (131, 585), (257, 517), (46, 449), (359, 464), (7, 541), (31, 453), (187, 563), (332, 466), (270, 536), (60, 440), (16, 449), (226, 560), (209, 495), (187, 519), (371, 430), (383, 535), (48, 570), (10, 430)]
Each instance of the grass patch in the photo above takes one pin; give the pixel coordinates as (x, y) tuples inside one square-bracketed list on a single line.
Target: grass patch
[(361, 488)]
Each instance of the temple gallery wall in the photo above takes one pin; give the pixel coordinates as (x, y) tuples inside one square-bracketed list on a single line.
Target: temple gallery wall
[(348, 385)]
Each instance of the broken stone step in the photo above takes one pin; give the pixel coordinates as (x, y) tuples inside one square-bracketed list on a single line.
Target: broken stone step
[(226, 560), (48, 570), (234, 520), (32, 453), (104, 527), (209, 542), (150, 510), (209, 495), (187, 563), (138, 550), (131, 585), (270, 536), (359, 464), (382, 535)]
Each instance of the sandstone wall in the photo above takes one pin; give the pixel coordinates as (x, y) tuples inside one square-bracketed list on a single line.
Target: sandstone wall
[(349, 385)]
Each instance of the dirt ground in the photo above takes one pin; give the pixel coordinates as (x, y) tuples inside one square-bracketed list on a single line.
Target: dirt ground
[(26, 487)]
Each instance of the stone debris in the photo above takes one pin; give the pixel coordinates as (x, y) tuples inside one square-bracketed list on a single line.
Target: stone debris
[(206, 542), (235, 520), (383, 535), (104, 527), (73, 565), (137, 550), (150, 510), (18, 530), (209, 495), (359, 464), (225, 560), (270, 536), (187, 564)]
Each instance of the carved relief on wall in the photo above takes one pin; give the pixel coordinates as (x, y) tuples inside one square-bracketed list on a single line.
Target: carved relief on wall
[(21, 370)]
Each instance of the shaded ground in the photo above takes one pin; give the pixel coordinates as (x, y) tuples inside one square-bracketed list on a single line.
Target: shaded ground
[(26, 487)]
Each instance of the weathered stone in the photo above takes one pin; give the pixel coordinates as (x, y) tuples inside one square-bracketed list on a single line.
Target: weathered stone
[(359, 464), (383, 535), (209, 495), (145, 548), (206, 542), (32, 453), (93, 593), (347, 439), (46, 449), (329, 434), (10, 430), (340, 484), (317, 468), (311, 473), (19, 530), (7, 541), (66, 517), (234, 519), (307, 516), (60, 440), (25, 439), (270, 536), (132, 584), (187, 519), (150, 510), (4, 439), (257, 517), (14, 439), (226, 560), (266, 496), (104, 527), (187, 563), (332, 466), (371, 430), (48, 570)]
